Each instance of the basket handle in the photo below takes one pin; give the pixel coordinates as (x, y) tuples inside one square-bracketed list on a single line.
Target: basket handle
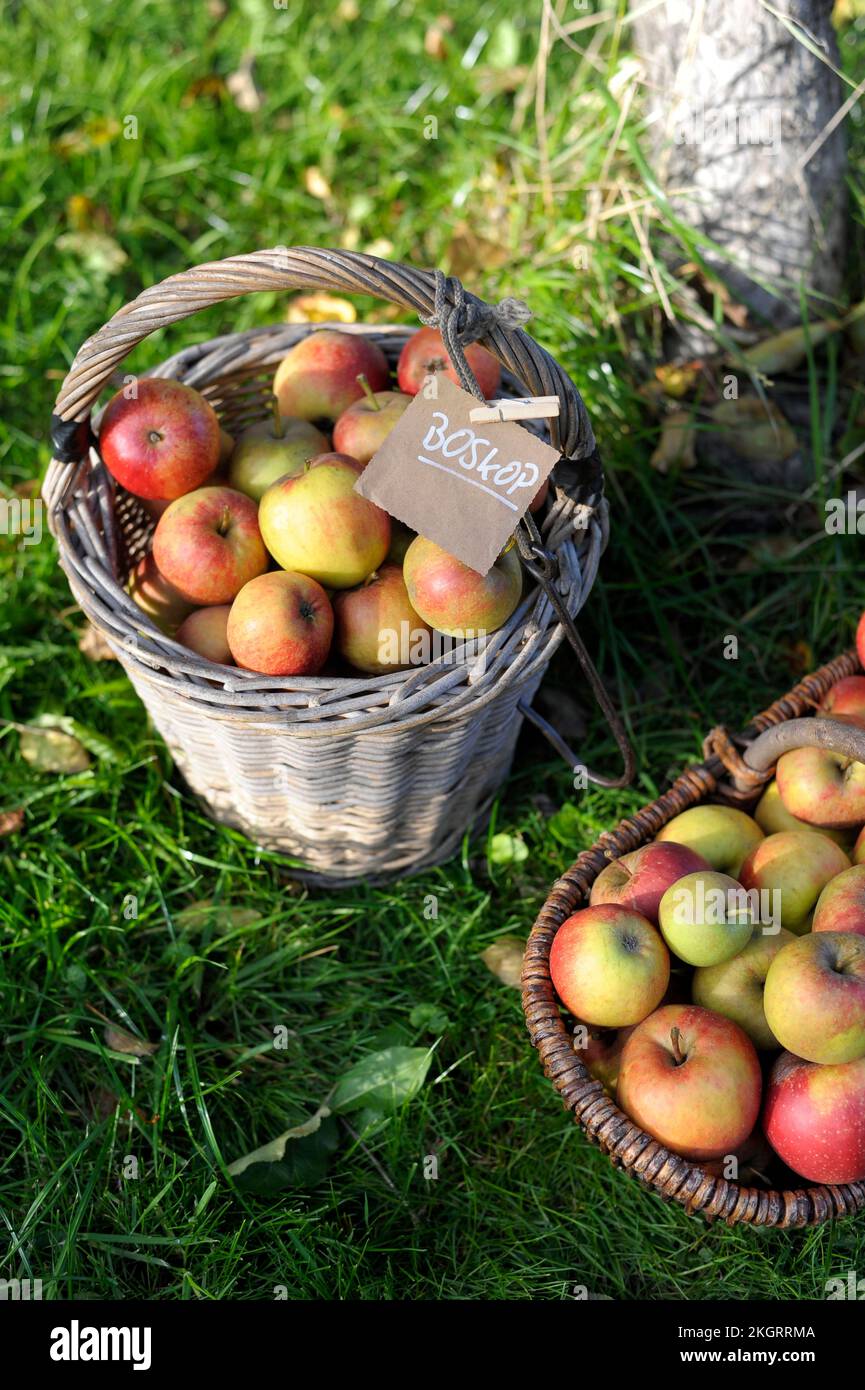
[(763, 752), (292, 268)]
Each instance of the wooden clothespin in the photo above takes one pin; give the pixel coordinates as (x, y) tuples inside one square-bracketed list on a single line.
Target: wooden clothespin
[(524, 408)]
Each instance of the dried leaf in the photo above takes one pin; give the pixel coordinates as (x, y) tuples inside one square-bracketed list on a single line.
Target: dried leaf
[(50, 749), (505, 959), (210, 88), (225, 917), (469, 252), (83, 215), (756, 430), (97, 251), (493, 81), (800, 657), (320, 308), (784, 351), (434, 45), (677, 446), (244, 89), (316, 184), (92, 644), (93, 135), (11, 821), (297, 1158), (678, 378), (118, 1040)]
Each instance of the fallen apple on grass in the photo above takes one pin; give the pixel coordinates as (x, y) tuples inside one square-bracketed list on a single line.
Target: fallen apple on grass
[(814, 1118), (281, 624), (208, 544), (318, 377), (722, 835), (609, 966), (706, 917), (376, 628), (271, 450), (455, 599), (793, 867), (362, 429), (161, 442), (841, 905), (640, 879), (317, 524), (691, 1079), (425, 354), (772, 817), (734, 988), (814, 997), (206, 632)]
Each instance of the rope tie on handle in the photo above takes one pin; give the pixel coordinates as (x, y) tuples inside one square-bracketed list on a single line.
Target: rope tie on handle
[(462, 319)]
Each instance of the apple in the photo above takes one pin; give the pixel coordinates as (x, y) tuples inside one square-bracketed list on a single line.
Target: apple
[(841, 905), (600, 1049), (706, 918), (208, 545), (376, 628), (425, 354), (281, 624), (640, 879), (734, 988), (723, 836), (273, 449), (751, 1160), (362, 429), (400, 540), (317, 524), (792, 867), (814, 997), (814, 1118), (540, 496), (205, 632), (318, 378), (846, 696), (860, 640), (772, 816), (226, 449), (609, 966), (822, 787), (153, 594), (455, 599), (691, 1079), (163, 441), (858, 854)]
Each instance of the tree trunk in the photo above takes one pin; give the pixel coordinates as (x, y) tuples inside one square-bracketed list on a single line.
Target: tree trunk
[(738, 104)]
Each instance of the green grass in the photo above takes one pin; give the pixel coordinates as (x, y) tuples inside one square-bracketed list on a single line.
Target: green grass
[(522, 1206)]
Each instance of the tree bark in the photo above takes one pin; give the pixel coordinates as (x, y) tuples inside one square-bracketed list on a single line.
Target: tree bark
[(738, 104)]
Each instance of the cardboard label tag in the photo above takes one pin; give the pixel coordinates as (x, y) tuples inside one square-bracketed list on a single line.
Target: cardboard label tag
[(462, 485)]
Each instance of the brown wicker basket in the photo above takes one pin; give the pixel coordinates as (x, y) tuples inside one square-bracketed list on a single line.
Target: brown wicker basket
[(357, 778), (720, 778)]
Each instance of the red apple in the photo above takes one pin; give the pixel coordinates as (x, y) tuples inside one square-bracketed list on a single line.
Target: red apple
[(208, 544), (846, 696), (162, 442), (609, 966), (600, 1049), (814, 997), (205, 632), (376, 628), (691, 1079), (841, 905), (317, 524), (318, 378), (425, 354), (281, 624), (362, 429), (860, 640), (153, 594), (640, 879), (792, 868), (456, 599), (814, 1118), (540, 496), (822, 787)]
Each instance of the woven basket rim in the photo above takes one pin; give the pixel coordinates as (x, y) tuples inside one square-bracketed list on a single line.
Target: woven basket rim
[(605, 1124)]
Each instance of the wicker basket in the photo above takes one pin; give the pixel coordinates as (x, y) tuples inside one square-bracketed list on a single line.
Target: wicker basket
[(722, 777), (360, 778)]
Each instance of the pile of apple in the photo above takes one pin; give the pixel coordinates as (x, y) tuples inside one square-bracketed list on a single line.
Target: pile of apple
[(718, 974), (263, 554)]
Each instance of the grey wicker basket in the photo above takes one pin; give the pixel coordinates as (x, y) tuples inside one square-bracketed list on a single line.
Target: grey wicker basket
[(354, 778)]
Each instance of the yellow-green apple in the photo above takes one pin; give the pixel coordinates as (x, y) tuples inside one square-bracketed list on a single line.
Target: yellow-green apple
[(691, 1079), (858, 853), (706, 917), (609, 966), (318, 378), (841, 905), (400, 540), (455, 599), (814, 997), (723, 835), (205, 632), (600, 1050), (793, 867), (318, 525), (425, 354), (814, 1118), (772, 817), (208, 545), (362, 429), (153, 594), (281, 624), (846, 696), (375, 627), (640, 879), (163, 441), (735, 987), (273, 449), (822, 787)]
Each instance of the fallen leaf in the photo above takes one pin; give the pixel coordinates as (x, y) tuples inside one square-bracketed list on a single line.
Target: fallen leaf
[(97, 251), (93, 135), (430, 1018), (11, 821), (505, 959), (508, 849), (225, 917), (244, 89), (469, 251), (49, 749), (118, 1040), (92, 644), (297, 1158), (316, 184), (320, 308), (784, 351), (800, 657), (677, 445), (678, 378), (210, 88), (434, 45), (83, 215), (756, 430), (383, 1081), (495, 81)]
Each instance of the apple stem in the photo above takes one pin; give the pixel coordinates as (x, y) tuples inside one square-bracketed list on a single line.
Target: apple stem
[(278, 422), (678, 1054), (367, 390)]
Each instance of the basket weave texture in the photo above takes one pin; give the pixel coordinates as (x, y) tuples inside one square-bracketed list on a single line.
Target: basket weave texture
[(357, 778), (629, 1147)]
